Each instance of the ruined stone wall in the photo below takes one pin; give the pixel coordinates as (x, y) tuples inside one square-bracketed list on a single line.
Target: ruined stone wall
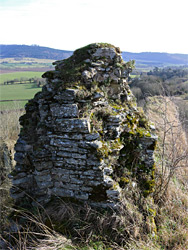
[(83, 137)]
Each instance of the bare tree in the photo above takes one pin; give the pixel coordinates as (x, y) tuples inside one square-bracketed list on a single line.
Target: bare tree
[(172, 150)]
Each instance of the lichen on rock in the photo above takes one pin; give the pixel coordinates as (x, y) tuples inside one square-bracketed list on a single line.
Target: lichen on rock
[(83, 136)]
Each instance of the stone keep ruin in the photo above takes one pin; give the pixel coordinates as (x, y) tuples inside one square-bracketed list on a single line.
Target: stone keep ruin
[(83, 137)]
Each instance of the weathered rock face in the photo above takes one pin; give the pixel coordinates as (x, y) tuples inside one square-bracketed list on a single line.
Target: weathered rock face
[(83, 137)]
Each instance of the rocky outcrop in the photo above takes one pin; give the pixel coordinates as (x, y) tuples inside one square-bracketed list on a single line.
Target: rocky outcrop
[(83, 137)]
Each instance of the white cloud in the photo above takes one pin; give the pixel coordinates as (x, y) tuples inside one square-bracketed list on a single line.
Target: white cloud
[(147, 25)]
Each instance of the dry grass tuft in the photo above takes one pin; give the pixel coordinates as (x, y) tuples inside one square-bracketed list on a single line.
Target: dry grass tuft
[(88, 228), (172, 217), (27, 230), (117, 229), (9, 124)]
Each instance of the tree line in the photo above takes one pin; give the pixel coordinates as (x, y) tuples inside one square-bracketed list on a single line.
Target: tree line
[(166, 81), (23, 80)]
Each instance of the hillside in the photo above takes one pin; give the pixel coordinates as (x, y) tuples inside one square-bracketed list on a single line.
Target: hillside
[(154, 58), (21, 51), (144, 58)]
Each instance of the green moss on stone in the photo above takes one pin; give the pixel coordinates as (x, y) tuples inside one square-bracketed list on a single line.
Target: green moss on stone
[(69, 70), (131, 157), (142, 132), (123, 182), (103, 151)]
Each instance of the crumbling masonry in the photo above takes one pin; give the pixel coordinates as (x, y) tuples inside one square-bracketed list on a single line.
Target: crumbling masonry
[(83, 137)]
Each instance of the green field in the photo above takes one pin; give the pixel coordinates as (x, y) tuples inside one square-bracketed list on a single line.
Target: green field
[(18, 91), (19, 75), (15, 93)]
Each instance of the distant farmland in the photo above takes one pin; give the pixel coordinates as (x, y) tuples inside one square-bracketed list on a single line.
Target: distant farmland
[(9, 65), (25, 75), (19, 75), (15, 96)]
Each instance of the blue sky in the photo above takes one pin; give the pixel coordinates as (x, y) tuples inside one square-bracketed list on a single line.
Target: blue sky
[(135, 26), (14, 3)]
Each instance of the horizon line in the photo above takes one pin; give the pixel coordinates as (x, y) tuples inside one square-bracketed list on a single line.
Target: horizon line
[(33, 45)]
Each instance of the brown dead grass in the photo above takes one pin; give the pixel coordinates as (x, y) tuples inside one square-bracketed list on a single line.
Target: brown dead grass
[(9, 130), (172, 212), (9, 124), (172, 149), (172, 218)]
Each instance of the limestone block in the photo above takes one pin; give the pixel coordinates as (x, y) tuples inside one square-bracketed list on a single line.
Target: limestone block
[(113, 194), (82, 196), (108, 170), (70, 186), (108, 181), (58, 142), (66, 96), (118, 72), (57, 184), (71, 155), (93, 183), (22, 146), (68, 136), (18, 176), (108, 53), (86, 75), (113, 119), (100, 77), (73, 161), (19, 157), (86, 189), (91, 137), (20, 181), (71, 125), (58, 164), (42, 165), (19, 168), (64, 110), (62, 192), (43, 178), (77, 181), (91, 162), (100, 69), (44, 184), (97, 64), (88, 177), (97, 96), (114, 78)]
